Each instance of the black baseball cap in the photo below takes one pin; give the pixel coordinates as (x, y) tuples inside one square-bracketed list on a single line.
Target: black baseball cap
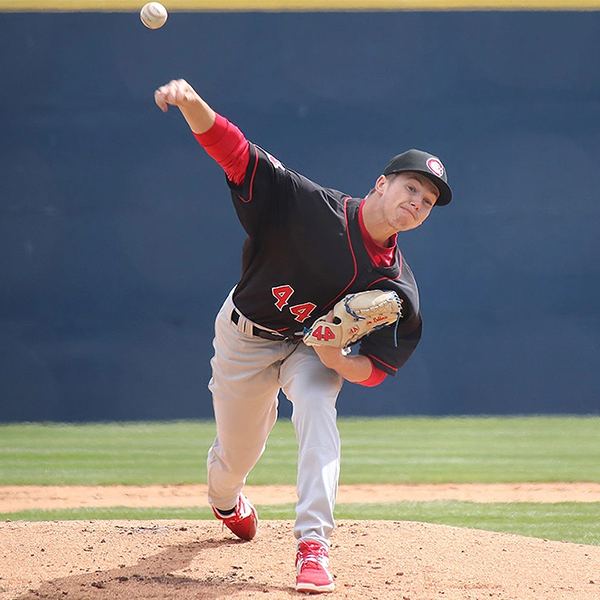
[(427, 164)]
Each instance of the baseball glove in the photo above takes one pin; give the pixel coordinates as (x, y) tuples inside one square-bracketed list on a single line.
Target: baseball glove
[(355, 316)]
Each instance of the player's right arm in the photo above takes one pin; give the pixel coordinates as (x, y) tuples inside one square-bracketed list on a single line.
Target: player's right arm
[(255, 177), (178, 92), (222, 140)]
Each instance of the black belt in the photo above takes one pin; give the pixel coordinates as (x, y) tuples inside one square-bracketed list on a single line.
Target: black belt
[(263, 333)]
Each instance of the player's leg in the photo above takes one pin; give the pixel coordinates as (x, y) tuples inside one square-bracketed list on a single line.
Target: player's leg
[(244, 386), (313, 390)]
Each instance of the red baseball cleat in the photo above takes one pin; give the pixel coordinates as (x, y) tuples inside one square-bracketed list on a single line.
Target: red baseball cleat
[(313, 575), (243, 521)]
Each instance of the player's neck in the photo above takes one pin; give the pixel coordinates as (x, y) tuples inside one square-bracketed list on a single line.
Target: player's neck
[(374, 223)]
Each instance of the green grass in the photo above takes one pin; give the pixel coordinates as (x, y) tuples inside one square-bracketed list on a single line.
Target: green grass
[(472, 450), (104, 454), (570, 521), (395, 450)]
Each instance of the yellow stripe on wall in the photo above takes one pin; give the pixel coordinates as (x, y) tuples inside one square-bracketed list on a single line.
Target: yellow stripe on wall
[(296, 5)]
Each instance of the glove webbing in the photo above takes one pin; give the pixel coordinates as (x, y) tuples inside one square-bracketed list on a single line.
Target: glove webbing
[(347, 300)]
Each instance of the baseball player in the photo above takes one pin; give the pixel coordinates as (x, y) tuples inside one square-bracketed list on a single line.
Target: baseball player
[(307, 247)]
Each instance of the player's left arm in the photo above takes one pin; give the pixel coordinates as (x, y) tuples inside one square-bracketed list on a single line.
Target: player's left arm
[(382, 352), (355, 369)]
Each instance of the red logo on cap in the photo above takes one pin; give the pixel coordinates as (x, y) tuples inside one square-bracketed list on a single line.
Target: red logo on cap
[(435, 166)]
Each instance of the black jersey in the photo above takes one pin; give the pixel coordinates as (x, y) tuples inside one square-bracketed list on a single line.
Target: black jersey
[(305, 251)]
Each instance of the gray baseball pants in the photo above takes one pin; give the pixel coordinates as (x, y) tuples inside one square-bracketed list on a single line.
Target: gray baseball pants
[(247, 374)]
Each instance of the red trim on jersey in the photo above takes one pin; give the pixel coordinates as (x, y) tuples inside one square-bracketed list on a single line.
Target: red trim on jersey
[(251, 186), (377, 281), (353, 256), (381, 256), (382, 362), (228, 146), (375, 378), (388, 278)]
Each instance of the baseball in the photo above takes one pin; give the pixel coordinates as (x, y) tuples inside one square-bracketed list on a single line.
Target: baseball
[(153, 15)]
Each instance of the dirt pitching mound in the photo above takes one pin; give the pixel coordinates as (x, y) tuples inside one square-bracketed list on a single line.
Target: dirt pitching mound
[(135, 560)]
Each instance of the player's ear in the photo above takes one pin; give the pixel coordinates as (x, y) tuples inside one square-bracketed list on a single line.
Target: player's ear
[(380, 184)]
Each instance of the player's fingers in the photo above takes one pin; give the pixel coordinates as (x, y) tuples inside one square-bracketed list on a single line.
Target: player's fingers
[(160, 99), (184, 90), (176, 93), (168, 94), (182, 84)]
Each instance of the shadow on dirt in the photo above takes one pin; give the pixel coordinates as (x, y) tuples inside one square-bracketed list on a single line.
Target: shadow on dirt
[(154, 578)]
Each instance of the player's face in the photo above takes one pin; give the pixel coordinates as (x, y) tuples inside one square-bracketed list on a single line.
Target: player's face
[(407, 199)]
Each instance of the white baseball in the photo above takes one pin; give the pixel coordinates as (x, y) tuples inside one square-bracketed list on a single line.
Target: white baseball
[(153, 15)]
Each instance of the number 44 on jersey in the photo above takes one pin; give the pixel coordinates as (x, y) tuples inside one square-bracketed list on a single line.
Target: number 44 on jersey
[(282, 294)]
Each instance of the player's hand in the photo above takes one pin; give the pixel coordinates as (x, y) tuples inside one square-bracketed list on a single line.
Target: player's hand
[(351, 368), (177, 92), (330, 356)]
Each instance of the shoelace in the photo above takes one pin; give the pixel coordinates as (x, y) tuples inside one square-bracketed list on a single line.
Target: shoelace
[(313, 556)]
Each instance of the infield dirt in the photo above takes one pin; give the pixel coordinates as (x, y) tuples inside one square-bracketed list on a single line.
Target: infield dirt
[(379, 560)]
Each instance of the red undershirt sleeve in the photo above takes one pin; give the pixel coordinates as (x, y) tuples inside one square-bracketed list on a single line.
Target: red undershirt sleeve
[(228, 146), (376, 377)]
